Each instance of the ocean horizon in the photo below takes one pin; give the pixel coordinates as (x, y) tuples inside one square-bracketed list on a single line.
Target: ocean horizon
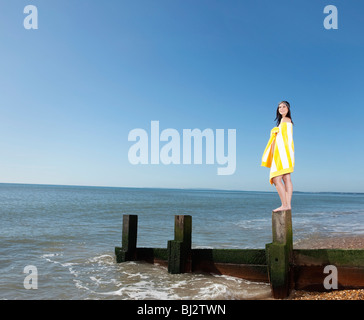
[(168, 188)]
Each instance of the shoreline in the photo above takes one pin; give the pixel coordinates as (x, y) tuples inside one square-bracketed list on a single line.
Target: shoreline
[(330, 242)]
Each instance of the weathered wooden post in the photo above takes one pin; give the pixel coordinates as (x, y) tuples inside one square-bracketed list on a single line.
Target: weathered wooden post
[(179, 249), (127, 252), (279, 254)]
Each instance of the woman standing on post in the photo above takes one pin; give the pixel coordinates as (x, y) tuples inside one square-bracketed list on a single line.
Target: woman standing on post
[(279, 155)]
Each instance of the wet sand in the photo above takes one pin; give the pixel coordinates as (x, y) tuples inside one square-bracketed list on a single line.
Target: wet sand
[(342, 242)]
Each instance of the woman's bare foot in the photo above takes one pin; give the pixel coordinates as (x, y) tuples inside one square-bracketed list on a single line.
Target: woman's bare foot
[(282, 208)]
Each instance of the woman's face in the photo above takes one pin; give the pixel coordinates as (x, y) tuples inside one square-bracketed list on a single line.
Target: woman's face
[(283, 109)]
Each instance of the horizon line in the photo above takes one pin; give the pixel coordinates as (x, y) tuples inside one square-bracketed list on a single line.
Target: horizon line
[(170, 188)]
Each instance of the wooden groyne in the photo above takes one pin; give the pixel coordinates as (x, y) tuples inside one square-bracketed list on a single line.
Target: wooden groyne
[(284, 267)]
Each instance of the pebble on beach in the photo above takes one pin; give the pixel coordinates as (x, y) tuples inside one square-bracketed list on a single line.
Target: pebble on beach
[(357, 294)]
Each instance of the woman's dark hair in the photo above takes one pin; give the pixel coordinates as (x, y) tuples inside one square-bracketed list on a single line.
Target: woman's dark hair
[(279, 116)]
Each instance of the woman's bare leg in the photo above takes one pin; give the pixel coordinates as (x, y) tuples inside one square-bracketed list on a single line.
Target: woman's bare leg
[(289, 188), (281, 189)]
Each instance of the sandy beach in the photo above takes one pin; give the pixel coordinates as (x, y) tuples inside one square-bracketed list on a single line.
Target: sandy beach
[(343, 242)]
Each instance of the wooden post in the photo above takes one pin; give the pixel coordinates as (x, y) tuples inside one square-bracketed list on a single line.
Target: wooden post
[(183, 229), (127, 252), (280, 253), (179, 249), (282, 230)]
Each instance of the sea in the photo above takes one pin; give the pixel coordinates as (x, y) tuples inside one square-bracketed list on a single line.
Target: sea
[(57, 242)]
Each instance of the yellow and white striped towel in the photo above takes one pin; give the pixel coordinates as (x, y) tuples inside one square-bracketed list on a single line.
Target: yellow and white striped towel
[(279, 152)]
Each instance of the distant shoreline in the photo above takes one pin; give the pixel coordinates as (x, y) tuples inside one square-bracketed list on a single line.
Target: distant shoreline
[(175, 188)]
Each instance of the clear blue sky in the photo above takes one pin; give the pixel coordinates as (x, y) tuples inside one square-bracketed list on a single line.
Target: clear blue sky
[(71, 91)]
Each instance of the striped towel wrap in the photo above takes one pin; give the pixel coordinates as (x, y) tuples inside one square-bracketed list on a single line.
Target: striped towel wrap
[(279, 152)]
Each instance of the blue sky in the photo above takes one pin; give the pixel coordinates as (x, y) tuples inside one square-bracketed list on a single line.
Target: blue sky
[(72, 90)]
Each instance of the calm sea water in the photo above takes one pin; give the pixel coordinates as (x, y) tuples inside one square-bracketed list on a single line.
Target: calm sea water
[(69, 233)]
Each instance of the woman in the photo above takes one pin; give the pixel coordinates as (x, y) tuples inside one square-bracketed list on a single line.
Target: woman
[(279, 155)]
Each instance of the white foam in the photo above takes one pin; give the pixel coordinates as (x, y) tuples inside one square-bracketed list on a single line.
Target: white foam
[(103, 259), (101, 277)]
